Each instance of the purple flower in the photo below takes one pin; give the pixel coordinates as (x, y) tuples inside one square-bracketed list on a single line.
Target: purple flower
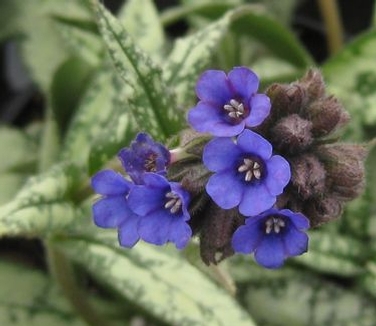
[(273, 236), (246, 173), (144, 155), (163, 208), (112, 210), (228, 103)]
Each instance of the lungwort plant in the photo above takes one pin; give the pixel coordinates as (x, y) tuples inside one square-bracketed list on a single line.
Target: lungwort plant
[(221, 177)]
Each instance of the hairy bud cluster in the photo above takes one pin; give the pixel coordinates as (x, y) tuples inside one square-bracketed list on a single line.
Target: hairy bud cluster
[(324, 174)]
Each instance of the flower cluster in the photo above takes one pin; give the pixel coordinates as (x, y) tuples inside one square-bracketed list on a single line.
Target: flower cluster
[(251, 175), (148, 206)]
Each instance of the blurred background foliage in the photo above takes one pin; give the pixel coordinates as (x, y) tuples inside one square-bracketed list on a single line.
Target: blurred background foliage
[(63, 117)]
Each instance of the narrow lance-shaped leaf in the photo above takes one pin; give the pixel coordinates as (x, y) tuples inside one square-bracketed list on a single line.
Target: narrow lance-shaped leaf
[(306, 299), (152, 105), (141, 20), (333, 254), (42, 205), (163, 284), (190, 56)]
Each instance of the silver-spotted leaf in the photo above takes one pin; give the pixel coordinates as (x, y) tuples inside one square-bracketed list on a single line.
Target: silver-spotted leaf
[(161, 283), (152, 104)]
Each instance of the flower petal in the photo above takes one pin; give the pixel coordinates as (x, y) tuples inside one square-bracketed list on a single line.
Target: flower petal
[(251, 142), (128, 231), (110, 212), (295, 241), (299, 220), (247, 237), (154, 228), (220, 154), (278, 174), (259, 109), (143, 200), (179, 233), (225, 189), (213, 86), (207, 118), (256, 199), (270, 253), (244, 81), (108, 182)]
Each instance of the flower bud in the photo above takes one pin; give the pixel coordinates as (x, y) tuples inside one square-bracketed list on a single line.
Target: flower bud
[(327, 115), (307, 176), (320, 211), (286, 99), (344, 164), (313, 84), (215, 237), (292, 134)]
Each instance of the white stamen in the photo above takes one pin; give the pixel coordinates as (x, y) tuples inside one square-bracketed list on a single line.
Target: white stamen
[(234, 109), (173, 202), (274, 224)]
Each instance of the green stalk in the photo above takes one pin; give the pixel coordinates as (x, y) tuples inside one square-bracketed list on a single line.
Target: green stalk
[(333, 25)]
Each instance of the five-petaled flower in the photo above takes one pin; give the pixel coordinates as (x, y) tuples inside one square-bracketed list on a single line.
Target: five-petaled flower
[(144, 155), (246, 173), (272, 236), (163, 207), (112, 210), (228, 103)]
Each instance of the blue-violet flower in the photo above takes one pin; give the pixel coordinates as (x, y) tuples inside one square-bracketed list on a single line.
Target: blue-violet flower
[(112, 210), (228, 103), (273, 236), (163, 207), (246, 173), (144, 155)]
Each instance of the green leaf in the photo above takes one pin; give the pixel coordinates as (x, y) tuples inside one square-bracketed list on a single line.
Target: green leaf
[(351, 76), (19, 152), (163, 284), (10, 184), (29, 298), (91, 118), (189, 57), (81, 36), (333, 253), (302, 299), (42, 205), (117, 132), (141, 20), (151, 104), (65, 91), (253, 21), (42, 48)]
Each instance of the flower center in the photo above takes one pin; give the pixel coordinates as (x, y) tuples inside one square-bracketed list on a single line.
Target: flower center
[(234, 109), (251, 168), (173, 202), (150, 164), (274, 223)]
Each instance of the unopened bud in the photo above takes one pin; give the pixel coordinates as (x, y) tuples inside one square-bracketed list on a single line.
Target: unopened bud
[(327, 115), (344, 164), (323, 210), (308, 176), (286, 99), (292, 134), (313, 83), (215, 237)]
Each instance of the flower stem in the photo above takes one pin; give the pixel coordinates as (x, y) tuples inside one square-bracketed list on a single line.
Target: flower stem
[(333, 25), (62, 270)]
